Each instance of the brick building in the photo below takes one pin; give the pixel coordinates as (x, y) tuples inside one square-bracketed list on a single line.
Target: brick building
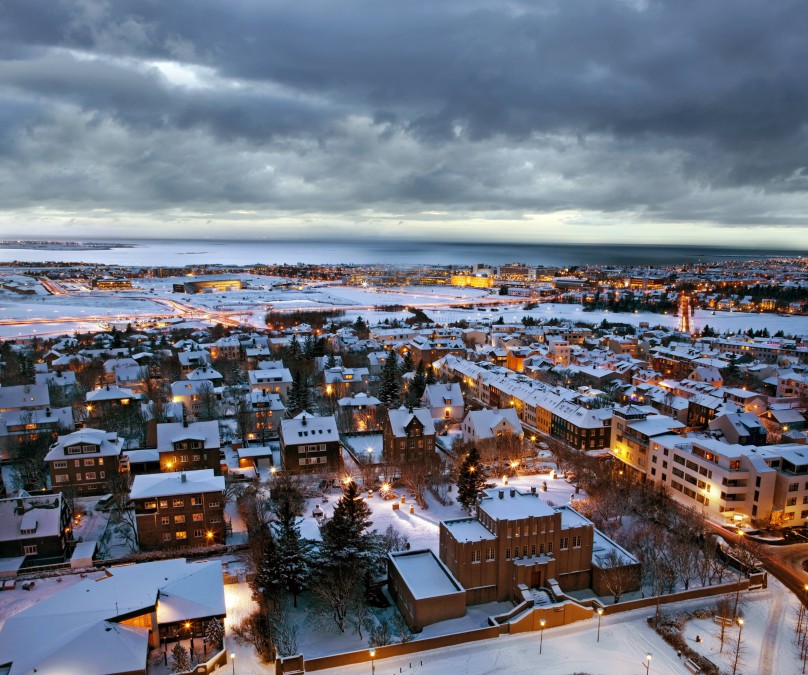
[(408, 435), (84, 460), (189, 446), (310, 444)]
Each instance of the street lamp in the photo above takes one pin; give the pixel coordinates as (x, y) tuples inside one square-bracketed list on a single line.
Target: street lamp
[(740, 631), (372, 662), (233, 661), (600, 614), (647, 663), (542, 623)]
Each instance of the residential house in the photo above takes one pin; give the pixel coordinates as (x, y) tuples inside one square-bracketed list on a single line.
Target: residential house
[(310, 444), (84, 460), (179, 509), (483, 425), (189, 446), (444, 401), (408, 435), (34, 529)]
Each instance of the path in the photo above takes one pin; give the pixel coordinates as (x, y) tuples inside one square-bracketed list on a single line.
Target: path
[(768, 655)]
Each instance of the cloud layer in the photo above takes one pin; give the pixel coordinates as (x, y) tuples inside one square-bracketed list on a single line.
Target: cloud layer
[(567, 119)]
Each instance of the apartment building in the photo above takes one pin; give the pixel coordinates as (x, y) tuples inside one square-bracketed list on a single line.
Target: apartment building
[(408, 435), (310, 444), (84, 460), (34, 529), (179, 509), (188, 446)]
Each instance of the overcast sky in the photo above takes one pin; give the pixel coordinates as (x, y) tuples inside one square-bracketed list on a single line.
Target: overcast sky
[(567, 120)]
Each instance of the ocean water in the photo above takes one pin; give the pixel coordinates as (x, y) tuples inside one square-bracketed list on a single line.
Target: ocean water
[(179, 253)]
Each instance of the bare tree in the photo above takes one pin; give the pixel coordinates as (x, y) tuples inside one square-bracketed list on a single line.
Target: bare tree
[(617, 575), (336, 588)]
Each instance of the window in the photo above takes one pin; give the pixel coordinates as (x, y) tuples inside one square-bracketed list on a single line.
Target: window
[(78, 476), (198, 517), (163, 503), (73, 450), (89, 462), (533, 549), (524, 551), (178, 503), (183, 458), (196, 458), (29, 550), (507, 554), (90, 475), (196, 501), (549, 548), (791, 501), (166, 536), (563, 543), (61, 478), (213, 505), (60, 464), (181, 534), (165, 520), (215, 520), (489, 554), (102, 474), (179, 519), (199, 533), (475, 556), (576, 541)]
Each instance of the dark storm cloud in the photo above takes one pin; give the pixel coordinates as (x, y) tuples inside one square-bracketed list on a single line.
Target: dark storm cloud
[(679, 110)]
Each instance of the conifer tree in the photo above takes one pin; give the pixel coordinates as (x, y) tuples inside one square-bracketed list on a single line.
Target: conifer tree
[(180, 659), (346, 541), (214, 633), (293, 552), (471, 480), (266, 585), (332, 361), (417, 385), (407, 365), (389, 385)]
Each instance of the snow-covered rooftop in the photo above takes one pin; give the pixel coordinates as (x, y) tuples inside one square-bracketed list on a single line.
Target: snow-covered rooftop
[(510, 504), (424, 574)]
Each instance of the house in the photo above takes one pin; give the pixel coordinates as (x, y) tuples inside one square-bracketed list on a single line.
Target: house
[(84, 460), (265, 413), (179, 509), (106, 623), (359, 413), (275, 381), (483, 425), (63, 381), (445, 401), (192, 360), (205, 373), (29, 426), (24, 397), (708, 374), (742, 428), (408, 435), (310, 444), (108, 399), (189, 446), (198, 397), (34, 529), (340, 381)]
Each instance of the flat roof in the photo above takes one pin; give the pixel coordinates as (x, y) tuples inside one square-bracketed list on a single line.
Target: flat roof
[(468, 529), (424, 574), (514, 505)]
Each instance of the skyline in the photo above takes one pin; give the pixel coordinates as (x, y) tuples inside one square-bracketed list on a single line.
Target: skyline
[(568, 122)]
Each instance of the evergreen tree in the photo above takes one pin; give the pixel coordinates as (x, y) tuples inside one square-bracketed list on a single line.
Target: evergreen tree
[(418, 384), (266, 585), (299, 399), (293, 570), (180, 659), (346, 541), (214, 633), (294, 348), (309, 347), (389, 385), (361, 328), (407, 365), (471, 480), (430, 376), (332, 361)]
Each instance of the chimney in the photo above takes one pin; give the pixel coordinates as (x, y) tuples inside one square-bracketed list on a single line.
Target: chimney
[(502, 494), (47, 412), (303, 420), (20, 506), (183, 478), (513, 492), (533, 490)]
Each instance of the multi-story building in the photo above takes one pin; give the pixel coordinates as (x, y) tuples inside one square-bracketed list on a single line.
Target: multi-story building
[(265, 413), (274, 381), (340, 381), (184, 508), (408, 435), (185, 446), (310, 444), (84, 460), (519, 542), (633, 429), (483, 425), (18, 427), (36, 528), (444, 401)]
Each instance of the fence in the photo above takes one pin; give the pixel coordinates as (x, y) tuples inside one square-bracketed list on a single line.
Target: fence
[(213, 663)]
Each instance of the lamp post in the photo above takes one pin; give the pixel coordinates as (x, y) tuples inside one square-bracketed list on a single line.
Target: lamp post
[(542, 623), (233, 661), (600, 614), (647, 663), (372, 662), (738, 647)]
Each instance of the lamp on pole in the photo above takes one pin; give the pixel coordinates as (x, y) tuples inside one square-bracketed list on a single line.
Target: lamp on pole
[(600, 614), (233, 661), (542, 623), (647, 663), (738, 647), (372, 662)]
